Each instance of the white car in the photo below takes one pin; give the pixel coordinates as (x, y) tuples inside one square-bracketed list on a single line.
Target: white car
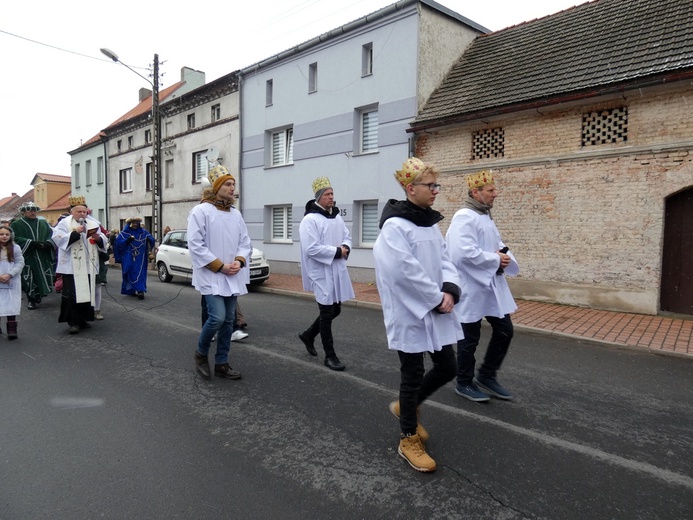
[(173, 259)]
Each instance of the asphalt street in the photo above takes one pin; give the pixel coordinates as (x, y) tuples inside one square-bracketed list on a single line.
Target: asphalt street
[(114, 423)]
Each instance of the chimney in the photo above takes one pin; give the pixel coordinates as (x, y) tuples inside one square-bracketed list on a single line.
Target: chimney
[(144, 93)]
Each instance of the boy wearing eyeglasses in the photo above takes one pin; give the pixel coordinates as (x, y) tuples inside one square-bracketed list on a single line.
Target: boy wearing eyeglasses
[(418, 286)]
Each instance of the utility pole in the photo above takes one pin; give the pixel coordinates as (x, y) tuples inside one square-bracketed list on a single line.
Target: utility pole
[(156, 154)]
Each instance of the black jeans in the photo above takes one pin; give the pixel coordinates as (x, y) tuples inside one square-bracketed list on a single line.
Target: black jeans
[(323, 326), (498, 347), (415, 386)]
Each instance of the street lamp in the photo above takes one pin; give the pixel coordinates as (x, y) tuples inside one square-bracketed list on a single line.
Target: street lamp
[(156, 139)]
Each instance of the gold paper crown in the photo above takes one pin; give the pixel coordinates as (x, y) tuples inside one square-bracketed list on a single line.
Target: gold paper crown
[(412, 169), (321, 183), (29, 206), (480, 179), (218, 176), (78, 200)]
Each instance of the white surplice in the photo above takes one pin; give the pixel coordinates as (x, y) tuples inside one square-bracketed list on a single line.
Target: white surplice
[(411, 265), (473, 240)]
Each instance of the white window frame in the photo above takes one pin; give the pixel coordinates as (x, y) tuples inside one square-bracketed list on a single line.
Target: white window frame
[(281, 224), (281, 147), (200, 166), (126, 180), (368, 222), (367, 60), (215, 113), (76, 175), (367, 131), (148, 169), (191, 121), (148, 136)]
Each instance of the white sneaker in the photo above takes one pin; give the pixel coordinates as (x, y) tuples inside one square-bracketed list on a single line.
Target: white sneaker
[(238, 335), (98, 315)]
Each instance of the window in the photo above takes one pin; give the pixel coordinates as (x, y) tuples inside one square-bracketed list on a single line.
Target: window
[(99, 170), (149, 167), (368, 218), (282, 147), (488, 143), (368, 130), (191, 121), (200, 166), (126, 180), (102, 216), (312, 78), (119, 144), (76, 175), (169, 173), (216, 113), (148, 136), (605, 127), (87, 173), (130, 142), (367, 59), (269, 86), (281, 224)]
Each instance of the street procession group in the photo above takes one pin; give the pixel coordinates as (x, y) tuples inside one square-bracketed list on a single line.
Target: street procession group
[(435, 290)]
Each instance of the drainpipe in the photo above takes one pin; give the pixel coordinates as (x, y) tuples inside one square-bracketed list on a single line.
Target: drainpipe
[(105, 181)]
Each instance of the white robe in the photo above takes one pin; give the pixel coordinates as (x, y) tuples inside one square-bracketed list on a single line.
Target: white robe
[(411, 265), (214, 234), (473, 240), (80, 258), (11, 293), (323, 274)]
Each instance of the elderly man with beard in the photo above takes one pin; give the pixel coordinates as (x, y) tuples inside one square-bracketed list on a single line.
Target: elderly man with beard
[(33, 236), (79, 240)]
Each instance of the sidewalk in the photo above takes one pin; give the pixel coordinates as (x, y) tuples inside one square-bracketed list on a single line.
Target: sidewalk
[(656, 334)]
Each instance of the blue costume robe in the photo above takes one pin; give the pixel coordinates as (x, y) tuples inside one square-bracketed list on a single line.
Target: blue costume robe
[(132, 252)]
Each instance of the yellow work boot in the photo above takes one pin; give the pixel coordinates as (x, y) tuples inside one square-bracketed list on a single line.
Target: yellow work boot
[(412, 450), (423, 433)]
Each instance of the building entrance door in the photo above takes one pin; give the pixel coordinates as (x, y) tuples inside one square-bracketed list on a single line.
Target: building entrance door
[(677, 255)]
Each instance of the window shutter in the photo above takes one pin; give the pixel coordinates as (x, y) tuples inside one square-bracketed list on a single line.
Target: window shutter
[(369, 222), (370, 131)]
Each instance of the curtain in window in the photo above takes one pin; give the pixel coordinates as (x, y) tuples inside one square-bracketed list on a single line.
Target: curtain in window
[(370, 131)]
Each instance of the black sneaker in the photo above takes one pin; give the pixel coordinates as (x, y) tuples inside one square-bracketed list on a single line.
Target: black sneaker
[(31, 306), (493, 387)]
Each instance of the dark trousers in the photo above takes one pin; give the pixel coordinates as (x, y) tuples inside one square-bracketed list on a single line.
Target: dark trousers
[(498, 347), (323, 326), (416, 386)]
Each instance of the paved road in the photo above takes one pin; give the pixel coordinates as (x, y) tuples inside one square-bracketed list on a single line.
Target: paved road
[(113, 423)]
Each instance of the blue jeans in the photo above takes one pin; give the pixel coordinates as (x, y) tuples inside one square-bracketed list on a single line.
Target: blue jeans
[(502, 333), (221, 311)]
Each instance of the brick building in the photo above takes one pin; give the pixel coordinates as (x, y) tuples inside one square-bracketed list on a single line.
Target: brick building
[(585, 118)]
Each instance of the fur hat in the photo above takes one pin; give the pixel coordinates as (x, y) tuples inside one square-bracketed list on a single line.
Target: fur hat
[(319, 186), (218, 176), (480, 179)]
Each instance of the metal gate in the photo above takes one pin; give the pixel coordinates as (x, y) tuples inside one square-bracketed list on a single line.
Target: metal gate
[(677, 254)]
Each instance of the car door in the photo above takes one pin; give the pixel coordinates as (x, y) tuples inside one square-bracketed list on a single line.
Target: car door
[(178, 255)]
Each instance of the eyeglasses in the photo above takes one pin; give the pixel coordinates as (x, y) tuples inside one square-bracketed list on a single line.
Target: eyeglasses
[(431, 185)]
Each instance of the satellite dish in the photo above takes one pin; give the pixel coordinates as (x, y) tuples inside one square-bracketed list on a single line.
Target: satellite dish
[(212, 153)]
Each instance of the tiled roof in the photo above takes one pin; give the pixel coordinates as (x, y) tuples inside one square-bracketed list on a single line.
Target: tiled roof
[(588, 48), (47, 177), (61, 203), (145, 105)]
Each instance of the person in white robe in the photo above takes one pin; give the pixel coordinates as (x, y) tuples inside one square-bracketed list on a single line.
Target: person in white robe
[(418, 286), (79, 240), (325, 248), (482, 261), (11, 265), (220, 250)]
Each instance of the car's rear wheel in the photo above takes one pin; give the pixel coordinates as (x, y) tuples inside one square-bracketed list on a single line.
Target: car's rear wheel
[(164, 275)]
